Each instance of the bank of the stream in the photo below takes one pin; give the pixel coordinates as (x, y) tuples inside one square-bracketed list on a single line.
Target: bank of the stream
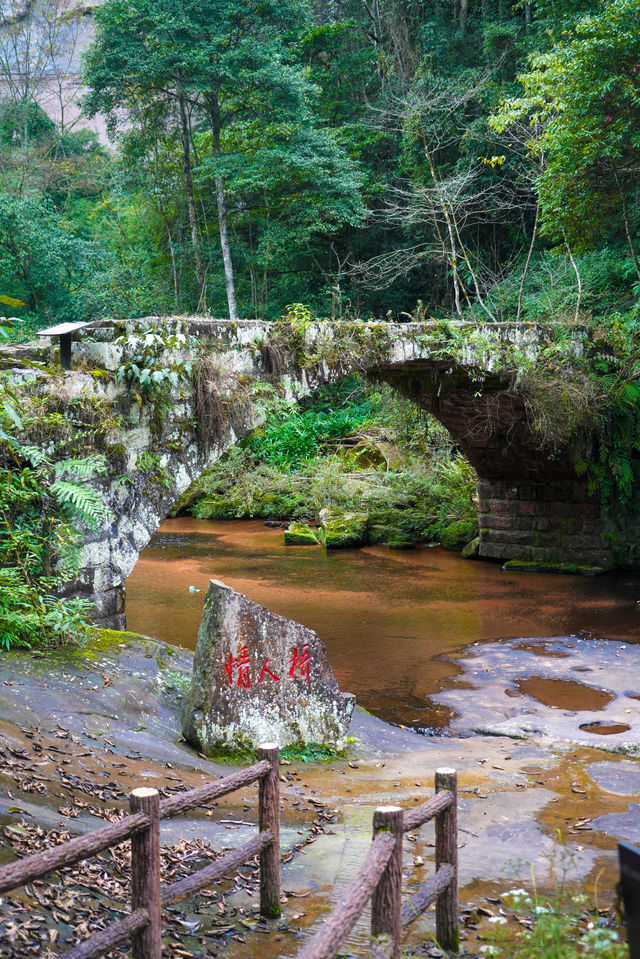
[(394, 622), (356, 460)]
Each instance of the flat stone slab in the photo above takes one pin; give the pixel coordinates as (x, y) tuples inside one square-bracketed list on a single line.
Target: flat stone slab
[(259, 677), (581, 691), (619, 778)]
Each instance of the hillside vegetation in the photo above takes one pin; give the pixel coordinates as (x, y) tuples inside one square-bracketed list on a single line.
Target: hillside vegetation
[(445, 157)]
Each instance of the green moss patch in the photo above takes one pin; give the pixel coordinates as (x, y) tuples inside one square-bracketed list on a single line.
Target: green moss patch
[(296, 753), (299, 534), (344, 530), (576, 569)]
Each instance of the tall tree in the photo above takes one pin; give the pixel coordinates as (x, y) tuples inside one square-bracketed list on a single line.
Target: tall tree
[(585, 96), (224, 72)]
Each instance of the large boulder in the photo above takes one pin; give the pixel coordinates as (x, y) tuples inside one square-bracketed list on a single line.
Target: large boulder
[(343, 530), (259, 677)]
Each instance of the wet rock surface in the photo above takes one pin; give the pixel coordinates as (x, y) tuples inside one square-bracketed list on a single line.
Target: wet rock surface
[(566, 688), (260, 678), (78, 732)]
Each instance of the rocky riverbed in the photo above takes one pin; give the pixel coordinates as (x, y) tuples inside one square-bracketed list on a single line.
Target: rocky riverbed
[(79, 730)]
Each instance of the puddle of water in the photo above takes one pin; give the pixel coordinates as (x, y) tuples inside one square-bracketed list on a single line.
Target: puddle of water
[(542, 649), (564, 693), (605, 729)]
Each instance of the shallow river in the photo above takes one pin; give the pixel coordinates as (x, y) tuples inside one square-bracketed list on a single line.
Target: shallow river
[(392, 621)]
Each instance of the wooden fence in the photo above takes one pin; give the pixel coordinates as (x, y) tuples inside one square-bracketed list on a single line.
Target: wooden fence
[(142, 827), (380, 879)]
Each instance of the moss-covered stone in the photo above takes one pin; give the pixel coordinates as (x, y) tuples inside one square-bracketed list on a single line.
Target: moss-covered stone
[(397, 543), (456, 535), (366, 456), (299, 534), (392, 525), (472, 549), (576, 569), (343, 530)]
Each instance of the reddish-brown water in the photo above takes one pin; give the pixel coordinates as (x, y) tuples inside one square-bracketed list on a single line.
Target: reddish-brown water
[(564, 693), (392, 621)]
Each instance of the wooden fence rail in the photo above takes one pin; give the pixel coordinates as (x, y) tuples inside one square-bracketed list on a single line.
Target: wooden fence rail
[(380, 879), (148, 895)]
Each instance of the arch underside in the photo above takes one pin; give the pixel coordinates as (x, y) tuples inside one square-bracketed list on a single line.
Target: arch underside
[(534, 508)]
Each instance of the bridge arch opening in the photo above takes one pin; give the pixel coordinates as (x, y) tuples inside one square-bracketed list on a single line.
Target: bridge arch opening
[(351, 446)]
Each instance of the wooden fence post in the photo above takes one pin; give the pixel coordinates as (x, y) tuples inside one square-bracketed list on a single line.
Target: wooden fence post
[(269, 818), (386, 901), (145, 875), (447, 932)]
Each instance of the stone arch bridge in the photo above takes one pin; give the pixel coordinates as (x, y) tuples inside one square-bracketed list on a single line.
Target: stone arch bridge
[(533, 507)]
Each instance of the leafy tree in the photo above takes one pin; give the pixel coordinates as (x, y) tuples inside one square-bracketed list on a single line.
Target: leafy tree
[(223, 75), (585, 96), (42, 261)]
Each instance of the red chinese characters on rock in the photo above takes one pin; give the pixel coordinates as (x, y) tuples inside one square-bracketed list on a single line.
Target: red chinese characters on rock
[(241, 666), (300, 661), (265, 669)]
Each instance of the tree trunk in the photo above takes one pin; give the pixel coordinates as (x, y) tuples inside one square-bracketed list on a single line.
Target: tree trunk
[(191, 206), (453, 253), (526, 266), (222, 216), (578, 277), (464, 13), (627, 226), (226, 251)]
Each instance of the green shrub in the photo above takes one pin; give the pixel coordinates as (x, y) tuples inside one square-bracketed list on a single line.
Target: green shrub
[(458, 534)]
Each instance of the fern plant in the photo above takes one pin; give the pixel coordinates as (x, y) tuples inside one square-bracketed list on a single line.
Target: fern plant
[(43, 507), (79, 502)]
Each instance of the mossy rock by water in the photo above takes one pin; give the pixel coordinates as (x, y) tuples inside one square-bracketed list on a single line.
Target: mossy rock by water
[(215, 507), (299, 534), (456, 535), (390, 526), (343, 530), (401, 544), (472, 549), (297, 753), (264, 505), (575, 569)]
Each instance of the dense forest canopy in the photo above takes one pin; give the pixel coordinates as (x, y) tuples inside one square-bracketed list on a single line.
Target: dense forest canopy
[(423, 157)]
